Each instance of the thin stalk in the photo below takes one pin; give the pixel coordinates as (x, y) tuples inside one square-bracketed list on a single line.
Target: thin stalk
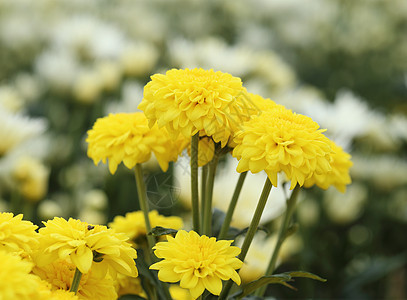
[(282, 234), (142, 197), (232, 205), (207, 221), (251, 231), (203, 187), (194, 183), (75, 281)]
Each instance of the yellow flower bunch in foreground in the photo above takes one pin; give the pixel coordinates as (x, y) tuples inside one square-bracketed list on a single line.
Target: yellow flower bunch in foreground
[(133, 223), (198, 262), (280, 140), (127, 138), (87, 247), (190, 101)]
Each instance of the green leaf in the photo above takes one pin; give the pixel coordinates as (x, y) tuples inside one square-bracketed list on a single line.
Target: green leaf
[(271, 279), (158, 231), (304, 275)]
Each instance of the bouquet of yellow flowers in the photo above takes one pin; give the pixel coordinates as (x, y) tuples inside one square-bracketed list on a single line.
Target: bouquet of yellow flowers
[(210, 115)]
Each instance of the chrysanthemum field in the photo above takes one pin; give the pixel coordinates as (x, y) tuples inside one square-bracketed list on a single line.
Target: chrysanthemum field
[(203, 149)]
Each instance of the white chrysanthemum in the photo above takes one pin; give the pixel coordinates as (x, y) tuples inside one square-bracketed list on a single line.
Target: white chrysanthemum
[(212, 53), (85, 33), (16, 129)]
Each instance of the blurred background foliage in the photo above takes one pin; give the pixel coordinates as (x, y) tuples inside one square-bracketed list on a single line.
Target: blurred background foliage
[(63, 64)]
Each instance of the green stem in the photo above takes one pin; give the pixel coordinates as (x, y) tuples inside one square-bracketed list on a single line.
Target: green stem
[(207, 221), (75, 281), (232, 206), (194, 182), (252, 230), (203, 188), (282, 234), (142, 197)]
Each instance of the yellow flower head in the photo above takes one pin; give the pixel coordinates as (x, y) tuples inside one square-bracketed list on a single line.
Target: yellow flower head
[(87, 246), (280, 140), (134, 226), (178, 293), (338, 176), (126, 137), (60, 273), (16, 282), (198, 262), (190, 101), (16, 234)]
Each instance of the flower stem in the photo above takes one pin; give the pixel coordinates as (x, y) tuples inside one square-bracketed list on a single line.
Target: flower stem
[(194, 182), (203, 187), (252, 230), (282, 234), (207, 221), (75, 281), (142, 197), (232, 206)]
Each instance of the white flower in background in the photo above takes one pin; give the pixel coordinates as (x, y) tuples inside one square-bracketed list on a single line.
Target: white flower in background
[(385, 171), (89, 37), (58, 68), (28, 86), (88, 86), (95, 199), (48, 209), (31, 177), (138, 59), (344, 208), (308, 211), (18, 32), (110, 74), (398, 127), (261, 250), (270, 68), (211, 53), (225, 182), (132, 94), (10, 99), (16, 129)]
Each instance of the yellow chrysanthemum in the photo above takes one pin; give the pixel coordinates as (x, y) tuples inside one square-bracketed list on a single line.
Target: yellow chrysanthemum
[(16, 282), (60, 274), (338, 176), (88, 247), (126, 285), (190, 101), (16, 234), (134, 226), (127, 138), (280, 140), (198, 262)]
